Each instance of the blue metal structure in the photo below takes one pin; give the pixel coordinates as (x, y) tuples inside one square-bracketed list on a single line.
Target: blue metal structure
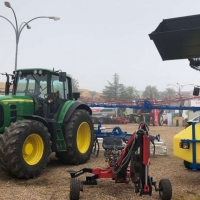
[(116, 132), (145, 105)]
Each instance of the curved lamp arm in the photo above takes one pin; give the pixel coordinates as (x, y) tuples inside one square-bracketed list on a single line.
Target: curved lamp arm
[(55, 19), (9, 22)]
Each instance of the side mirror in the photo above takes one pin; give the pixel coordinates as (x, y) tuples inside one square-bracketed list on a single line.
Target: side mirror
[(62, 76), (76, 95), (196, 91)]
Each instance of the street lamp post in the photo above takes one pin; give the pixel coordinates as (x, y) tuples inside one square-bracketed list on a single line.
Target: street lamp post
[(180, 87), (19, 29)]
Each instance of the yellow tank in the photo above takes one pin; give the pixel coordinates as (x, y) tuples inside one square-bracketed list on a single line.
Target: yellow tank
[(187, 154)]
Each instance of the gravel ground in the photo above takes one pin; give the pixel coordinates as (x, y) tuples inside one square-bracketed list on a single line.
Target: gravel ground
[(53, 183)]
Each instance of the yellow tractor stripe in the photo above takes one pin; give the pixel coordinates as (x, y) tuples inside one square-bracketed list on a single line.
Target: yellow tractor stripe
[(17, 100)]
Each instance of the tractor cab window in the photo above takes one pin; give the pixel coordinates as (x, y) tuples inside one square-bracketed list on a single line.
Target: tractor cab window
[(57, 87), (31, 85)]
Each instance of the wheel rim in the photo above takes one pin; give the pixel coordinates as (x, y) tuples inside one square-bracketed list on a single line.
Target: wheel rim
[(83, 137), (32, 149)]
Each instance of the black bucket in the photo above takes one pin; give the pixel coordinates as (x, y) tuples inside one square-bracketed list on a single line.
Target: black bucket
[(178, 38)]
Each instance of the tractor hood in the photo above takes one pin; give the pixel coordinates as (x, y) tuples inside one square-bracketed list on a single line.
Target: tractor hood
[(11, 106), (178, 38)]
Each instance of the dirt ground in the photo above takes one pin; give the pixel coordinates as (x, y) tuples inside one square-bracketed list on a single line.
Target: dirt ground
[(54, 182)]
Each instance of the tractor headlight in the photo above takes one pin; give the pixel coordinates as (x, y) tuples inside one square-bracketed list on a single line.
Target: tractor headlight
[(35, 72), (184, 145), (40, 72), (20, 73)]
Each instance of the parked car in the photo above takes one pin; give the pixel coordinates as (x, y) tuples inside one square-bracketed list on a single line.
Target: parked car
[(104, 115)]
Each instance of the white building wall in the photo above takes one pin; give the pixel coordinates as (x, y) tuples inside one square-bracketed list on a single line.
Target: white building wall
[(194, 103)]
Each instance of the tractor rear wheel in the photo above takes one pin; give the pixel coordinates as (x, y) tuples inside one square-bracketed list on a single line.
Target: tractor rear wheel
[(1, 152), (79, 139), (26, 148)]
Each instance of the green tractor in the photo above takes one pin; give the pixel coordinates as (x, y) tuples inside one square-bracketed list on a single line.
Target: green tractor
[(42, 115)]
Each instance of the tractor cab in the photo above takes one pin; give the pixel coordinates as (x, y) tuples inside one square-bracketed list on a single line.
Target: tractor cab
[(48, 89)]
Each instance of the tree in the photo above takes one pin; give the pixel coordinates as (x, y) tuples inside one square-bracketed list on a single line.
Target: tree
[(117, 91), (169, 94), (151, 92), (75, 85), (92, 94), (112, 91), (132, 93)]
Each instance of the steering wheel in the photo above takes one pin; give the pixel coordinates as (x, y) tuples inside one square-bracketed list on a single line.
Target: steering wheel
[(31, 91)]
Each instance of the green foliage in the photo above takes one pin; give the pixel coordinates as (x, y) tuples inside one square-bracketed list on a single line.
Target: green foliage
[(169, 94), (151, 92), (92, 94), (117, 91), (132, 93)]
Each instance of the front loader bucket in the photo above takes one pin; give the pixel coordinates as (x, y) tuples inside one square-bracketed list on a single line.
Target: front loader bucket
[(178, 38)]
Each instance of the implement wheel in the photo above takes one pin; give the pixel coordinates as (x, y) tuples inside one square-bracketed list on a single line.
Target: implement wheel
[(74, 193), (96, 148), (79, 138), (165, 191), (26, 148), (187, 164), (161, 120)]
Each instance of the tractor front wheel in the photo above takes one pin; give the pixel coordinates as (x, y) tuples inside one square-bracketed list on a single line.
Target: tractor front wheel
[(79, 139), (26, 148)]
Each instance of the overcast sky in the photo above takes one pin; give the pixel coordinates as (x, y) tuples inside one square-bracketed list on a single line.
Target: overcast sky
[(95, 39)]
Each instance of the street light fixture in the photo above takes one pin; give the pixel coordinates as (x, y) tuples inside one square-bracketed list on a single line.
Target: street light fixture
[(19, 29), (7, 4), (179, 87)]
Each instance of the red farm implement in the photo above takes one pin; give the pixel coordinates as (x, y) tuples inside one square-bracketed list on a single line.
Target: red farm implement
[(125, 163)]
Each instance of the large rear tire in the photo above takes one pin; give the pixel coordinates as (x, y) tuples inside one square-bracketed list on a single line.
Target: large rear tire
[(1, 152), (79, 139), (26, 148)]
